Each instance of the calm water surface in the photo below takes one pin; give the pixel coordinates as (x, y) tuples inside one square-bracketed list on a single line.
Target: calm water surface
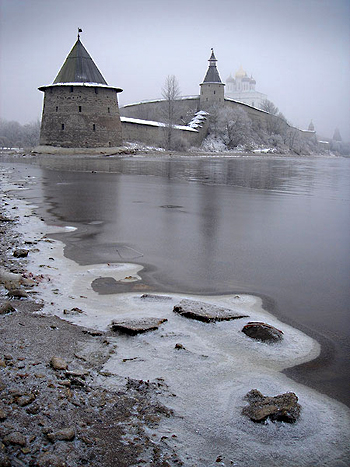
[(277, 227)]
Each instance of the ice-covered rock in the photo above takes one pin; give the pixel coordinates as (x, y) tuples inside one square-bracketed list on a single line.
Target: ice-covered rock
[(262, 331), (206, 312), (137, 326), (282, 408)]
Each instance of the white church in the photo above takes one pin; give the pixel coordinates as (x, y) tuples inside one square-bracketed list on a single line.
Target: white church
[(242, 88)]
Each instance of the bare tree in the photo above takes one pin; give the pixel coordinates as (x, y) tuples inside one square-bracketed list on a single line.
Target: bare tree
[(14, 134), (171, 94), (269, 107), (234, 127)]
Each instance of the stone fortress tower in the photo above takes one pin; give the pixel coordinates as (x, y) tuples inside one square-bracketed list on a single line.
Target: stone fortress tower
[(242, 88), (212, 88), (80, 110)]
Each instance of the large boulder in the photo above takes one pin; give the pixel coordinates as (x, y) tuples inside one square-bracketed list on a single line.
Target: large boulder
[(137, 326), (262, 332), (282, 408), (205, 311)]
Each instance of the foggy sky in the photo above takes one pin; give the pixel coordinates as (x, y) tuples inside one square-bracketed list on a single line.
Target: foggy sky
[(297, 50)]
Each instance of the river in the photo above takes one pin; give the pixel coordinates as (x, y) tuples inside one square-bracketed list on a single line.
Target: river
[(277, 227)]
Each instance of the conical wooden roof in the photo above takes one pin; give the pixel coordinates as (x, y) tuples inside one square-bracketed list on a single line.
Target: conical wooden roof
[(212, 75), (79, 67)]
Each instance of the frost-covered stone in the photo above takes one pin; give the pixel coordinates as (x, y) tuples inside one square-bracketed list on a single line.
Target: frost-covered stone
[(15, 438), (6, 308), (205, 311), (282, 408), (263, 332), (20, 253), (58, 363), (66, 434), (137, 326)]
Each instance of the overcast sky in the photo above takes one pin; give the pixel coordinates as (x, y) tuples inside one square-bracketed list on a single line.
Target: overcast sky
[(297, 50)]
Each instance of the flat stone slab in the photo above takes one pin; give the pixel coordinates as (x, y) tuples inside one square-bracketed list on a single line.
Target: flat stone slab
[(282, 408), (137, 326), (205, 311), (263, 332)]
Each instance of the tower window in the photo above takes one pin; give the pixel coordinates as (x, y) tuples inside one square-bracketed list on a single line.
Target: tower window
[(62, 126), (93, 127), (56, 108), (109, 110), (214, 92), (79, 108), (96, 90), (71, 89)]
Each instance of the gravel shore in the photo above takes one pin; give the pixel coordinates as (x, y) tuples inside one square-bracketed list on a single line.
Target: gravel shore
[(53, 411)]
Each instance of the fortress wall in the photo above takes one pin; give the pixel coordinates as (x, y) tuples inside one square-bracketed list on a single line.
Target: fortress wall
[(154, 110), (254, 114), (79, 116), (154, 134)]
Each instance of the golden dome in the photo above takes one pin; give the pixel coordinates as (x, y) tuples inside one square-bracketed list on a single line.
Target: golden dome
[(240, 73)]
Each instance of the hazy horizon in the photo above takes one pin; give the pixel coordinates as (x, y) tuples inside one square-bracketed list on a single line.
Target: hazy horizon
[(297, 51)]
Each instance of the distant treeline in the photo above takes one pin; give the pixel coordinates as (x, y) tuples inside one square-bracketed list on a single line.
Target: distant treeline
[(15, 135)]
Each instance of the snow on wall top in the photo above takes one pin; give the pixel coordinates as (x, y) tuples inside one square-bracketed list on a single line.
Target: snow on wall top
[(139, 121), (93, 85)]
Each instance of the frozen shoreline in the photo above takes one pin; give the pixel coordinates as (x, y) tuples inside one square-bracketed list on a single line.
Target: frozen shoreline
[(220, 365)]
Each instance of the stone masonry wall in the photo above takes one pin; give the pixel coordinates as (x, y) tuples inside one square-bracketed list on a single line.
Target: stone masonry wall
[(80, 117), (154, 110), (211, 94), (155, 135)]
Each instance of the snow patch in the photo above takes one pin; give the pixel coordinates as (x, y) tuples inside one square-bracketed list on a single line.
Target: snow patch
[(198, 119)]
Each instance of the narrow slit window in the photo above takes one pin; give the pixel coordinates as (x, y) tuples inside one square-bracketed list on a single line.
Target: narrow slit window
[(79, 108), (109, 110), (62, 126), (96, 90), (56, 108), (71, 89), (93, 127)]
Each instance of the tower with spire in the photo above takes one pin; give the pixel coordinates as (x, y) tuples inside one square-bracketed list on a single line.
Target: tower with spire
[(212, 88), (80, 109)]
